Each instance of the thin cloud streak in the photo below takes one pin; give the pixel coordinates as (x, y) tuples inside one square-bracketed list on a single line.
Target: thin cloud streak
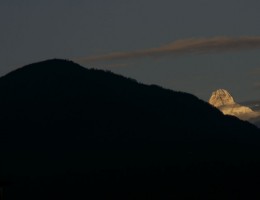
[(185, 46), (257, 85)]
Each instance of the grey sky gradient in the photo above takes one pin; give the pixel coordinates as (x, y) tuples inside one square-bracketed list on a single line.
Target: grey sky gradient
[(34, 30)]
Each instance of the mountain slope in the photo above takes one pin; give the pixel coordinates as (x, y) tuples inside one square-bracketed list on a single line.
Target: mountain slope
[(59, 119)]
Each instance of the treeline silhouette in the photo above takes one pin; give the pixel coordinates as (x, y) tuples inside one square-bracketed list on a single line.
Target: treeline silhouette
[(68, 132)]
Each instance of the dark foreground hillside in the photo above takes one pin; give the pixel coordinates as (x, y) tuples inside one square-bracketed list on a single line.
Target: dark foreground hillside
[(72, 133)]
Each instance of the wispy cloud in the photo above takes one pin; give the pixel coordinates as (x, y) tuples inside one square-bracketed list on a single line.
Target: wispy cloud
[(185, 46), (256, 85), (254, 72), (107, 66)]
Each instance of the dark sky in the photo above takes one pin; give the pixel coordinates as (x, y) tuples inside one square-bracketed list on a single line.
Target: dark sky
[(195, 46)]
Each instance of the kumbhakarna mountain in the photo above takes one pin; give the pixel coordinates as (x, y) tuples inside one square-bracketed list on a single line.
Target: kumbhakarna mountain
[(68, 132), (223, 100)]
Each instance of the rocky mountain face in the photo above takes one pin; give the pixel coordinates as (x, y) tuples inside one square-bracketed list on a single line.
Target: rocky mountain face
[(224, 101), (221, 97)]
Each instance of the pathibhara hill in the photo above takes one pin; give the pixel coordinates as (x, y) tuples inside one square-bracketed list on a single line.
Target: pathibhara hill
[(68, 132)]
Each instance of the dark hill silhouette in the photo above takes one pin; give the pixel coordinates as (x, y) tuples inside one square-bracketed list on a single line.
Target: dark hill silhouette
[(70, 132)]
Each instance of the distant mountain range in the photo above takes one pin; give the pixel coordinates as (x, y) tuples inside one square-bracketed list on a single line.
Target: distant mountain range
[(254, 105), (68, 132)]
